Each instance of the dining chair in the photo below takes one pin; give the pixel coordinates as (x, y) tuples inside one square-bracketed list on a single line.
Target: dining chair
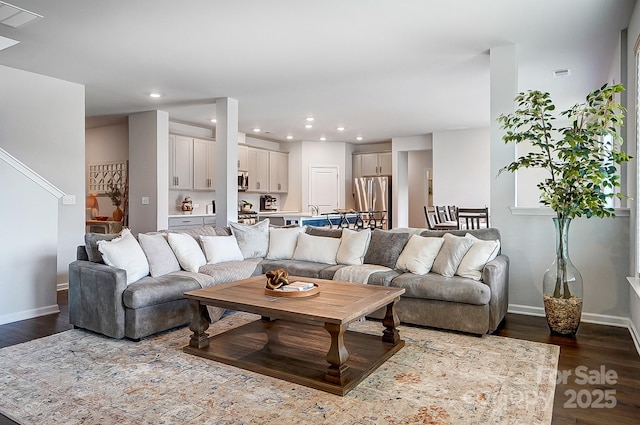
[(473, 218), (453, 212), (440, 217), (430, 216)]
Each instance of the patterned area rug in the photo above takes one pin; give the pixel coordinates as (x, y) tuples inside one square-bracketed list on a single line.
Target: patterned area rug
[(77, 377)]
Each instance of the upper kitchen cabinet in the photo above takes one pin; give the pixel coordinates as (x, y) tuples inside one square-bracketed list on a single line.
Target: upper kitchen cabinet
[(204, 164), (278, 172), (180, 162), (243, 158), (258, 168), (372, 164)]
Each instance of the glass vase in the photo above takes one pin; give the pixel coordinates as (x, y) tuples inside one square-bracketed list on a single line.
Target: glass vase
[(562, 286)]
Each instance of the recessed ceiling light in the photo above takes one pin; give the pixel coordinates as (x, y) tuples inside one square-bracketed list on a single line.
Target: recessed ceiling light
[(359, 138), (214, 120), (256, 130), (310, 119), (308, 126), (289, 137), (340, 128), (323, 138), (155, 94)]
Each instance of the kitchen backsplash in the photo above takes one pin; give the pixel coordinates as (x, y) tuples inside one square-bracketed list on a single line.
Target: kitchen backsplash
[(202, 199)]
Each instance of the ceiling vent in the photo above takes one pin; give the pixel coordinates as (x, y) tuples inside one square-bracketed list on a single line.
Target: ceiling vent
[(562, 72), (15, 16)]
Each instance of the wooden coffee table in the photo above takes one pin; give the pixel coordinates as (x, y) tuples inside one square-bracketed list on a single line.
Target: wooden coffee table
[(296, 337)]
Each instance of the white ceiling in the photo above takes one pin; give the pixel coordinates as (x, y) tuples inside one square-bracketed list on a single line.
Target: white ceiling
[(380, 68)]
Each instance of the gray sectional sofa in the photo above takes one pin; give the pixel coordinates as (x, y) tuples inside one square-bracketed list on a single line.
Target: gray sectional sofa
[(103, 299)]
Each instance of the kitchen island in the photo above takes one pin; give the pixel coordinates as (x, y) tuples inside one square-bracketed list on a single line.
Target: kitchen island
[(334, 219)]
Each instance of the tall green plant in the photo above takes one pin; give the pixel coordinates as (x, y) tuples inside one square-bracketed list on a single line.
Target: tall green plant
[(582, 157)]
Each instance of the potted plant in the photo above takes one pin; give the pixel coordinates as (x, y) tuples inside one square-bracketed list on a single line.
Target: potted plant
[(582, 159), (245, 206), (115, 195)]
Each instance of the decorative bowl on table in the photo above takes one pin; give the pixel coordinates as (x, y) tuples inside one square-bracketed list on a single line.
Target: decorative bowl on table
[(102, 217)]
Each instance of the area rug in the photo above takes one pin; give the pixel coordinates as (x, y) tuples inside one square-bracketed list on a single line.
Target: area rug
[(77, 377)]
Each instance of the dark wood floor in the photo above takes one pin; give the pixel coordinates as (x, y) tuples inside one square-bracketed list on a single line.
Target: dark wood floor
[(595, 348)]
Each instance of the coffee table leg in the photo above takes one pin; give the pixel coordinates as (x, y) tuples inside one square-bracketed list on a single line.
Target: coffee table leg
[(337, 356), (390, 322), (199, 324)]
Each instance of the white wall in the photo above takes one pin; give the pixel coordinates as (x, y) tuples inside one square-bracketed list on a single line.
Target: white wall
[(633, 33), (420, 164), (105, 144), (318, 153), (461, 171), (598, 247), (42, 125), (400, 149), (148, 171)]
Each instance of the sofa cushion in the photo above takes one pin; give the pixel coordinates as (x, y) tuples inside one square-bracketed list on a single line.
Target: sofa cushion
[(91, 245), (419, 254), (125, 253), (385, 248), (218, 249), (157, 290), (253, 239), (451, 254), (317, 249), (187, 250), (353, 247), (159, 254), (301, 268), (282, 242), (383, 278), (480, 253), (229, 271), (436, 287)]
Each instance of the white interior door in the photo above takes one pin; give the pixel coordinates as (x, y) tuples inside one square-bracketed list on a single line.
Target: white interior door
[(324, 187)]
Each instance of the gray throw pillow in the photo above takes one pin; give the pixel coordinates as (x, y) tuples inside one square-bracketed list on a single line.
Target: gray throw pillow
[(385, 248), (253, 240), (159, 254), (91, 245), (324, 232)]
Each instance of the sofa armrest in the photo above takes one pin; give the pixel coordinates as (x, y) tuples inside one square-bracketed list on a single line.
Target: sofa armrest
[(95, 297), (496, 275)]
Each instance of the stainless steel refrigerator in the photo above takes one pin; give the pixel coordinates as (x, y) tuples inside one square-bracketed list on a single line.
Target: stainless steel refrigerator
[(373, 197)]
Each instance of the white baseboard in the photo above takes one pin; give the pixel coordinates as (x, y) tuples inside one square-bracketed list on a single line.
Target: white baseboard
[(62, 286), (635, 335), (29, 314), (599, 319)]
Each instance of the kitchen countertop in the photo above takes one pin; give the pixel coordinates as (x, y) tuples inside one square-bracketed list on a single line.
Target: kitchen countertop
[(190, 215)]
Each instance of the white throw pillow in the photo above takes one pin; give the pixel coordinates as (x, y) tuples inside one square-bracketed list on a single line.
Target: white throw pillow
[(419, 254), (451, 254), (283, 241), (159, 254), (318, 249), (218, 249), (353, 247), (187, 251), (480, 253), (125, 253)]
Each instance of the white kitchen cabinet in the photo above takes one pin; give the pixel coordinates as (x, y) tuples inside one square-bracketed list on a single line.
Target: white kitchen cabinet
[(258, 168), (278, 172), (180, 162), (372, 164), (204, 164), (243, 158)]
